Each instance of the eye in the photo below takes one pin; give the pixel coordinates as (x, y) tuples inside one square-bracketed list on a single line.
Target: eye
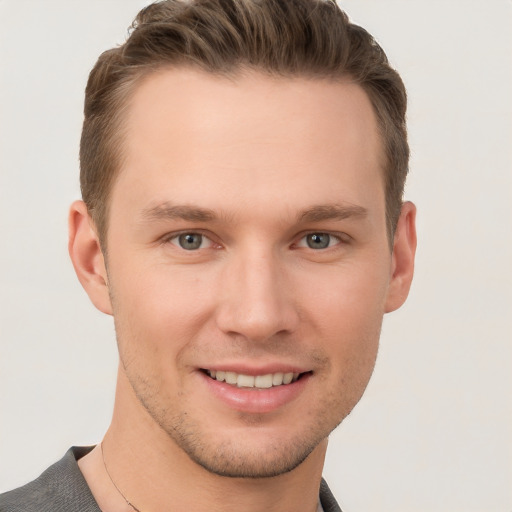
[(191, 241), (318, 241)]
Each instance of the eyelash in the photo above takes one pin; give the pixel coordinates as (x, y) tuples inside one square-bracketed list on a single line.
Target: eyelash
[(339, 238), (175, 236), (332, 237)]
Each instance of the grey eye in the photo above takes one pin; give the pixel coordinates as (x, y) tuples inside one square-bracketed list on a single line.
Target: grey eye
[(190, 241), (318, 240)]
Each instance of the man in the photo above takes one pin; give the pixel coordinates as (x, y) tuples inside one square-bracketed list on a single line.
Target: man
[(242, 172)]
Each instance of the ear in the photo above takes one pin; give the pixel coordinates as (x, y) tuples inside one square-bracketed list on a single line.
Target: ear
[(87, 257), (402, 260)]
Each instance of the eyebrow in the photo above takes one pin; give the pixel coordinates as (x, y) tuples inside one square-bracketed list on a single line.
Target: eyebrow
[(317, 213), (332, 212), (167, 211)]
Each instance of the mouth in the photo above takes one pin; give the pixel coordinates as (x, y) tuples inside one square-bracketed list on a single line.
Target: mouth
[(267, 381)]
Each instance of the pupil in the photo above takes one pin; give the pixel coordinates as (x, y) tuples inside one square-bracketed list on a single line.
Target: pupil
[(318, 240), (190, 241)]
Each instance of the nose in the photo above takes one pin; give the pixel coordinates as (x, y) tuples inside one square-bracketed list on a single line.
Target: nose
[(256, 298)]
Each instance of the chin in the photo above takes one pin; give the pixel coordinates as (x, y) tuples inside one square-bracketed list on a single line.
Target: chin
[(253, 449), (234, 459)]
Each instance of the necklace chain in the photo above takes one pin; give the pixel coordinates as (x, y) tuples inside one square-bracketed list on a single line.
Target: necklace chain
[(113, 483)]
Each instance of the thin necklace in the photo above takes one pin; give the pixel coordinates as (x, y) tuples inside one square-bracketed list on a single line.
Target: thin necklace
[(113, 483)]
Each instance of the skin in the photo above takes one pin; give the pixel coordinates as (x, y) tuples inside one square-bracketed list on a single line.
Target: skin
[(252, 166)]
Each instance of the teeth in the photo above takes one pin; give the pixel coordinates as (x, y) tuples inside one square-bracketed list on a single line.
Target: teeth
[(245, 381), (250, 381), (231, 377), (263, 381), (277, 379)]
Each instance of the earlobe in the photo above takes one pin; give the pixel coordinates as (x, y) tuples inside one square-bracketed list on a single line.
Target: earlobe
[(402, 266), (87, 257)]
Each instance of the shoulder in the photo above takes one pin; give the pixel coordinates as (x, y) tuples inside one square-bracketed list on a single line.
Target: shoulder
[(328, 501), (61, 488)]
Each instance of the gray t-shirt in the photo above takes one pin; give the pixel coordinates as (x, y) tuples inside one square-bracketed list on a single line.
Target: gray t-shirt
[(62, 488)]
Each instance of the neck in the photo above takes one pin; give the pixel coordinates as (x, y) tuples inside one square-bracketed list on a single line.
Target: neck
[(155, 474)]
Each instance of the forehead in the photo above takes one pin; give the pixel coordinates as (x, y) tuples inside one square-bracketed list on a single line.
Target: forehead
[(193, 134)]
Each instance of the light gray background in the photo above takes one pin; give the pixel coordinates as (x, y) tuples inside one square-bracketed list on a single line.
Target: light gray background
[(433, 432)]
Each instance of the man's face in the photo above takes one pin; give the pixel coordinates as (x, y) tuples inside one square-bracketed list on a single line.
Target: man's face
[(247, 242)]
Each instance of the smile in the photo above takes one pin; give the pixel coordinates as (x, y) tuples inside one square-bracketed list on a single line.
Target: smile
[(266, 381)]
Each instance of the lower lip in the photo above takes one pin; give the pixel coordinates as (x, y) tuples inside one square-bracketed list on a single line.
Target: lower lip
[(255, 400)]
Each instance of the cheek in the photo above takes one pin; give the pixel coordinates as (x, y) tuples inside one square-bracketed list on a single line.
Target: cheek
[(348, 296), (351, 345), (347, 314), (157, 312)]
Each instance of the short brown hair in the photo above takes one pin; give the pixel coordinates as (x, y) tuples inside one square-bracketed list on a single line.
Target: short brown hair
[(310, 38)]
